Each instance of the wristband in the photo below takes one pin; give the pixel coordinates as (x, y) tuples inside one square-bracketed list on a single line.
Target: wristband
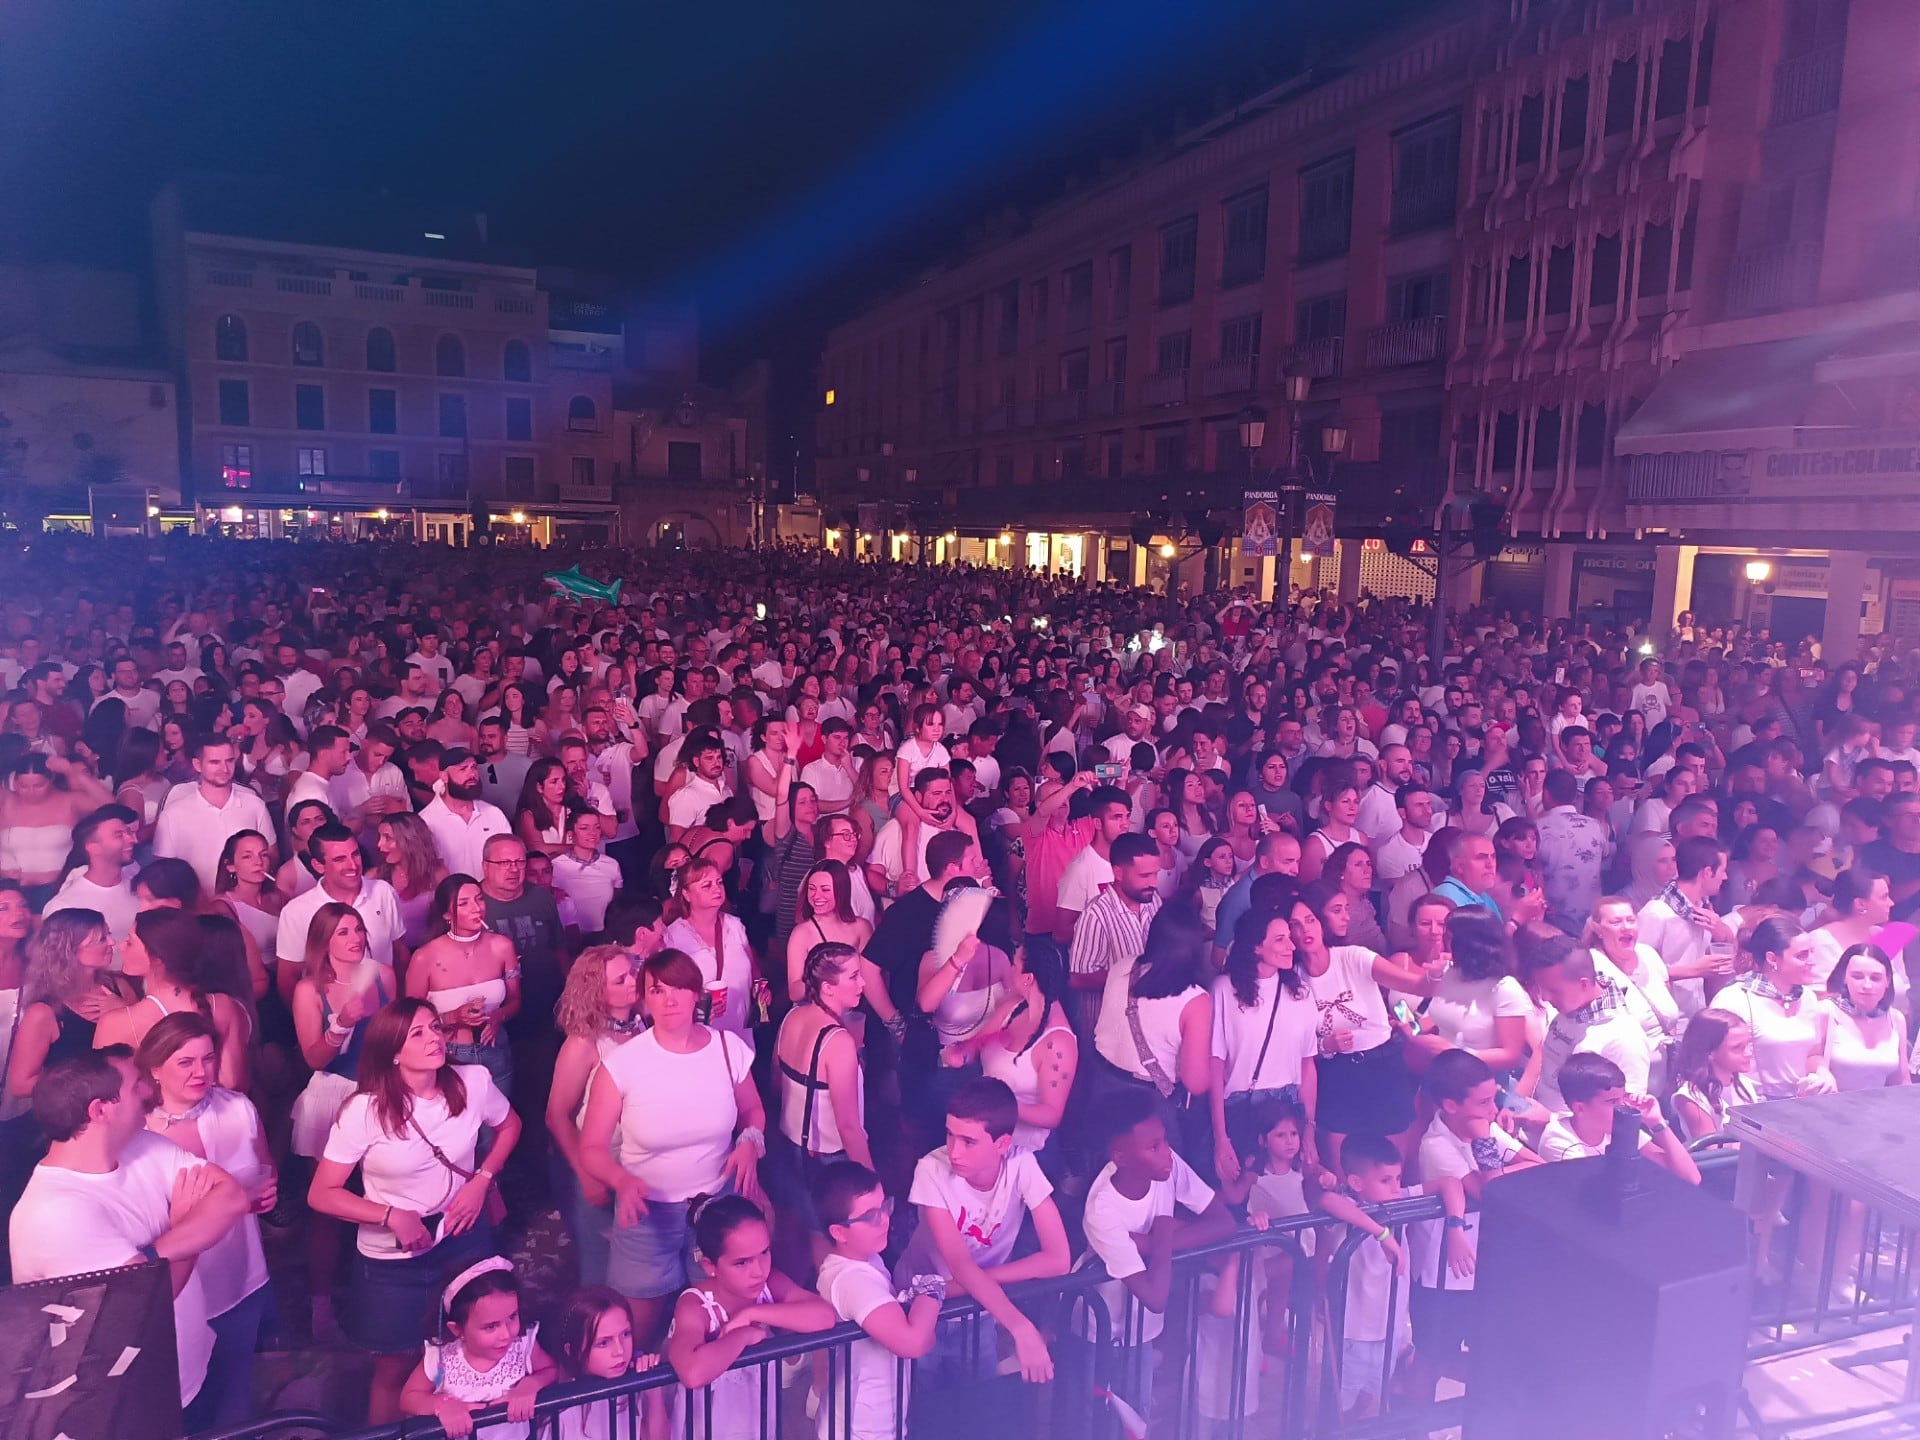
[(149, 1253), (1385, 1232), (755, 1137), (1456, 1222), (485, 1174)]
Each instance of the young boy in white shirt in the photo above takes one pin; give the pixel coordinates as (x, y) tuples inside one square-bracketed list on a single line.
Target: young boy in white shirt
[(1376, 1329), (1460, 1153), (856, 1214), (1134, 1227), (972, 1194), (1594, 1091)]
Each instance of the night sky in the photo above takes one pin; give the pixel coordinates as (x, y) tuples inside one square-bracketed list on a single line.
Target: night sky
[(781, 160)]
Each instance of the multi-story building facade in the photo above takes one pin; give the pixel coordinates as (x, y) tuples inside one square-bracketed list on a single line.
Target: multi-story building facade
[(369, 368), (1625, 266), (87, 429), (1095, 369)]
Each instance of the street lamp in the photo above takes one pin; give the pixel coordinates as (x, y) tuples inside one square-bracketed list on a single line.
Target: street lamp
[(1758, 571), (1253, 432)]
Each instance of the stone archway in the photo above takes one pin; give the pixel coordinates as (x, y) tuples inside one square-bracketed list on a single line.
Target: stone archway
[(679, 529)]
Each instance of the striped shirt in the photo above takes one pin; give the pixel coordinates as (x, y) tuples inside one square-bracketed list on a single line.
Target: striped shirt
[(1110, 933)]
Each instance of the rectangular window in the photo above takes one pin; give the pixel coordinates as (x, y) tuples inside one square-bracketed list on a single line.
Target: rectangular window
[(1560, 280), (1656, 259), (683, 459), (1173, 352), (450, 471), (1519, 277), (1071, 462), (1120, 283), (383, 464), (236, 466), (1326, 209), (1527, 139), (519, 472), (1410, 435), (519, 419), (1077, 285), (453, 416), (309, 407), (1240, 337), (1169, 452), (1113, 452), (1320, 318), (1117, 359), (1573, 113), (581, 470), (1426, 174), (1623, 96), (311, 460), (1604, 288), (1244, 226), (1003, 469), (1590, 437), (1075, 369), (234, 406), (1419, 296), (383, 412), (1009, 333), (1178, 251), (1037, 301), (1670, 85)]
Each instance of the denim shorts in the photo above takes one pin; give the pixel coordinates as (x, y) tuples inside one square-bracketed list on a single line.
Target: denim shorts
[(393, 1305), (654, 1257)]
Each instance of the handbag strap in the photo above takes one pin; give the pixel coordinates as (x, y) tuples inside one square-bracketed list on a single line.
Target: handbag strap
[(813, 1088), (1155, 1072), (1272, 1016), (438, 1153)]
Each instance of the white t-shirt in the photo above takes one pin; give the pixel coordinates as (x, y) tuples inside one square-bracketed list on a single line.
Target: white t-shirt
[(1558, 1142), (1464, 1011), (1349, 997), (463, 843), (1086, 875), (912, 757), (379, 910), (688, 805), (1113, 1219), (589, 884), (308, 785), (677, 1146), (1396, 857), (1443, 1153), (1371, 1280), (1240, 1033), (988, 1220), (832, 783), (115, 903), (402, 1170), (855, 1289), (69, 1222)]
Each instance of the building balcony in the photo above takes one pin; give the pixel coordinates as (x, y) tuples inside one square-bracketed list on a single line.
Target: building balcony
[(1428, 205), (1231, 377), (1404, 342), (585, 494), (1770, 278), (1064, 408), (1315, 359), (1807, 85), (579, 357), (1107, 398), (1164, 387)]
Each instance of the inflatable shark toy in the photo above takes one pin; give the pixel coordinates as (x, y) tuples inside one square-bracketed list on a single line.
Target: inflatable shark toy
[(572, 582)]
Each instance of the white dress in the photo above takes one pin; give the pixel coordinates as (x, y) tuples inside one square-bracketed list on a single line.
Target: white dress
[(447, 1366)]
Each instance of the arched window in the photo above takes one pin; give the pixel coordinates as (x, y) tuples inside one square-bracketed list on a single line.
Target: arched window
[(230, 338), (380, 351), (517, 363), (308, 349), (449, 356), (581, 414)]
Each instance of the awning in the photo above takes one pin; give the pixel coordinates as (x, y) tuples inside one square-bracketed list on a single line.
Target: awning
[(1745, 397)]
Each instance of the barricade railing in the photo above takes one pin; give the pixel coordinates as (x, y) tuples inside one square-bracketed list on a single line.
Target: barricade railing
[(1249, 1347)]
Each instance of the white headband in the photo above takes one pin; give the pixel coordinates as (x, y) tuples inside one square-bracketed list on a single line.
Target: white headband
[(472, 1272)]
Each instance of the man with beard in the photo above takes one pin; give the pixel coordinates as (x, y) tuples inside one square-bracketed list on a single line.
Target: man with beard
[(933, 787), (460, 820)]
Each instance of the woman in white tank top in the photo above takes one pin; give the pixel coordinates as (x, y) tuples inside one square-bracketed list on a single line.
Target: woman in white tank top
[(471, 976), (1028, 1044), (1782, 1010), (1866, 1038)]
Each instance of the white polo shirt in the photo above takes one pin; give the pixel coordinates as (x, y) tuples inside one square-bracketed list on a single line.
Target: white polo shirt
[(463, 842), (379, 909)]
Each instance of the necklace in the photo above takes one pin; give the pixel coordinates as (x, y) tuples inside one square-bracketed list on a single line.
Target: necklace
[(632, 1025), (467, 939), (192, 1112)]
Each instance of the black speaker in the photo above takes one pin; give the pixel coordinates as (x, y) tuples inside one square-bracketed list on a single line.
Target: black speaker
[(1611, 1304)]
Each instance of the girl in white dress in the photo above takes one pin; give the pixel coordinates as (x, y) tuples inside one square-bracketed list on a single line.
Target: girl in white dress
[(485, 1359), (1713, 1073), (596, 1343)]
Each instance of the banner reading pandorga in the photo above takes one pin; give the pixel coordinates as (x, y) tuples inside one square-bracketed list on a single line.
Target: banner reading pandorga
[(1316, 530), (1260, 523)]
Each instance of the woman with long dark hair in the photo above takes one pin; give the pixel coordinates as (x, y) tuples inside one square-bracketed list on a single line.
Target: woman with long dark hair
[(471, 975), (166, 951), (1265, 1036), (412, 1129)]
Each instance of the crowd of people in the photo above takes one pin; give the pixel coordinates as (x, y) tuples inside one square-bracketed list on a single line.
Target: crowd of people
[(385, 897)]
